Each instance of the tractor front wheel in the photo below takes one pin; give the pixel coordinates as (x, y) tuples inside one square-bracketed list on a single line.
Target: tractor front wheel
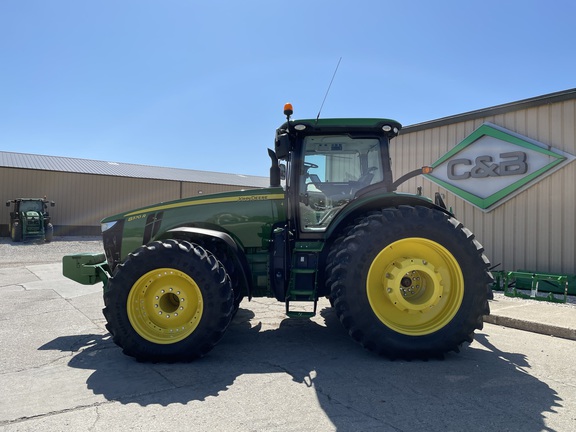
[(169, 301), (49, 233), (16, 232), (409, 282)]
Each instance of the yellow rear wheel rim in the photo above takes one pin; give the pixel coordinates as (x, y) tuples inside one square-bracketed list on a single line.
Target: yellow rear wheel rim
[(165, 306), (415, 286)]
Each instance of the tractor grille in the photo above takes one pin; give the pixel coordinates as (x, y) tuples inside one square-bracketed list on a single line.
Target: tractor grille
[(33, 222), (112, 239)]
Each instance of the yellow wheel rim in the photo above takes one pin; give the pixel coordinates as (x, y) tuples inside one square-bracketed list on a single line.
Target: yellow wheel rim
[(165, 306), (415, 286)]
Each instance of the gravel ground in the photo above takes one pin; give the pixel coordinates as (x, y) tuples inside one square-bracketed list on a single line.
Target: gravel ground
[(36, 252)]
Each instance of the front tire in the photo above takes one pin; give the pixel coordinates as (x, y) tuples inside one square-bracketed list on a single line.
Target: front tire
[(169, 301), (49, 233), (16, 232), (409, 282)]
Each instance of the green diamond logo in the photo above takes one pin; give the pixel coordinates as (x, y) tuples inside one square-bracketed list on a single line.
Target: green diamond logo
[(493, 164)]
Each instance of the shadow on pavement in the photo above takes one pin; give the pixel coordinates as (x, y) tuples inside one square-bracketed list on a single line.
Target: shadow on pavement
[(481, 388)]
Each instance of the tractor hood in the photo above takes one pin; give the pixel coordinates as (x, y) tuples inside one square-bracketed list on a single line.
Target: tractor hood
[(245, 215), (218, 198)]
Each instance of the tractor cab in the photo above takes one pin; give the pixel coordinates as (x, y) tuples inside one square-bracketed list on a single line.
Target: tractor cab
[(29, 206), (330, 162)]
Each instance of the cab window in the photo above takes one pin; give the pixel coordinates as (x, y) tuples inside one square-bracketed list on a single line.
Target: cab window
[(334, 169)]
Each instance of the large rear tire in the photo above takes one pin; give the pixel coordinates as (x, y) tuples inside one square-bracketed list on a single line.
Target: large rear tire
[(409, 282), (169, 301)]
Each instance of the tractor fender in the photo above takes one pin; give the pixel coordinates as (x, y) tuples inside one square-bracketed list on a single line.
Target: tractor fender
[(367, 203), (224, 241), (359, 207)]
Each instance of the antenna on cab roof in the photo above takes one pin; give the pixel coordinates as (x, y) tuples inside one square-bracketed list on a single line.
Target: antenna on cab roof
[(329, 85)]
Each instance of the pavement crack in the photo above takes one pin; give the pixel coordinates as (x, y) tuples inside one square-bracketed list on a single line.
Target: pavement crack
[(53, 413), (64, 356), (96, 419)]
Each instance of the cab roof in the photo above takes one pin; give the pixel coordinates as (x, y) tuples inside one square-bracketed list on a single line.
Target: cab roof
[(336, 125)]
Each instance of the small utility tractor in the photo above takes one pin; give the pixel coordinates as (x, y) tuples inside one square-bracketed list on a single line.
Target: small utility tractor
[(405, 278), (30, 219)]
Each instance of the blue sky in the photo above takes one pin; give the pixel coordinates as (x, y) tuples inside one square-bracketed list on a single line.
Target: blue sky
[(201, 84)]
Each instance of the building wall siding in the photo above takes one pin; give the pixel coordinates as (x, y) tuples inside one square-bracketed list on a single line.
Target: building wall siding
[(83, 200), (536, 229)]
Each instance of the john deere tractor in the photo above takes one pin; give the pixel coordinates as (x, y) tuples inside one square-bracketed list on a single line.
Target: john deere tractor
[(30, 219), (406, 279)]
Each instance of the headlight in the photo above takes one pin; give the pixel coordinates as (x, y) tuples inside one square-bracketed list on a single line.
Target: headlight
[(107, 225)]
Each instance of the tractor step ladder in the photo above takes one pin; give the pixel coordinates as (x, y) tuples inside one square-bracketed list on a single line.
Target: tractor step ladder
[(306, 298), (302, 285)]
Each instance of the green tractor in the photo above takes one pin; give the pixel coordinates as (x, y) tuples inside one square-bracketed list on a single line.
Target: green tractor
[(406, 279), (30, 219)]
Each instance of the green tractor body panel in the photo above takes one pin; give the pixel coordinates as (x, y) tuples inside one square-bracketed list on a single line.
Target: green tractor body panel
[(246, 215)]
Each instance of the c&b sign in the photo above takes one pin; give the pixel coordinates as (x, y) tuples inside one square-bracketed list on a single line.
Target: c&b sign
[(492, 164)]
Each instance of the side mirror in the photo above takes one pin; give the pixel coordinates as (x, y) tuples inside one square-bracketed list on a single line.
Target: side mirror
[(282, 144), (52, 204), (282, 172), (7, 203), (274, 169)]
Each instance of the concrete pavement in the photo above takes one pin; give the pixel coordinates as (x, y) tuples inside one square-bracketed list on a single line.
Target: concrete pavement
[(554, 319), (60, 371)]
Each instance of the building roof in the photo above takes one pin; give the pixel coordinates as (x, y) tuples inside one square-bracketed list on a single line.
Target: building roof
[(495, 110), (89, 166)]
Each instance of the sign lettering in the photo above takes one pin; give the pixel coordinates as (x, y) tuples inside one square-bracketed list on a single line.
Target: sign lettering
[(511, 163)]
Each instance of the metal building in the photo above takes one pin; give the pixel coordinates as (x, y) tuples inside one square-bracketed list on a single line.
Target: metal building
[(508, 174), (86, 191)]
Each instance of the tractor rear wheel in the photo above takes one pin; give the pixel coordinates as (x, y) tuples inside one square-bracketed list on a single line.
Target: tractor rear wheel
[(409, 282), (169, 301)]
